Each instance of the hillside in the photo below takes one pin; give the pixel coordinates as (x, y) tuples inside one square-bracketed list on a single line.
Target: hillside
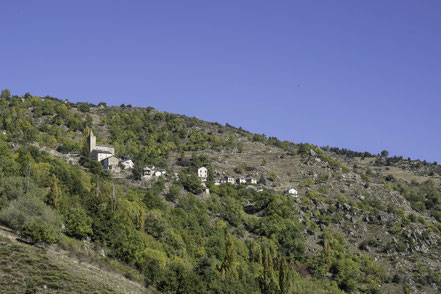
[(31, 269), (359, 223)]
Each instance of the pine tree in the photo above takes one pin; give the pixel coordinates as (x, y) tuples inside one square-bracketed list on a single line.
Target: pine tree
[(262, 180)]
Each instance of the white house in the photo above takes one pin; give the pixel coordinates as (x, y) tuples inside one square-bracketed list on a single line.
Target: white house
[(251, 181), (127, 164), (241, 180), (230, 180), (292, 192), (149, 170), (100, 155), (203, 173), (218, 181), (159, 173)]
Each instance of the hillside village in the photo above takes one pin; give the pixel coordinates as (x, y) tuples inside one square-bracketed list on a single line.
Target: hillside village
[(105, 154)]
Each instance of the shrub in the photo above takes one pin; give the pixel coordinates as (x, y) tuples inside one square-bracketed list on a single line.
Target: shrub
[(272, 176), (323, 189), (32, 218), (436, 215), (307, 182)]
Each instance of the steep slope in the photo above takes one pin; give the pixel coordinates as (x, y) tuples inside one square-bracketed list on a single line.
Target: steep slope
[(361, 223), (29, 269)]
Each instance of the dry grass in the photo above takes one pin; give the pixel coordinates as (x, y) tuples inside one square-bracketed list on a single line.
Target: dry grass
[(29, 269)]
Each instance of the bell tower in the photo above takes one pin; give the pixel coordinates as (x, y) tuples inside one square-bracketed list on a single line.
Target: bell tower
[(92, 142)]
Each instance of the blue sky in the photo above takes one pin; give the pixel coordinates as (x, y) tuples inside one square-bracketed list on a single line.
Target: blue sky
[(364, 75)]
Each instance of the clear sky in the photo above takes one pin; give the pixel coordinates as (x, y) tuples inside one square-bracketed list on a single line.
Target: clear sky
[(364, 75)]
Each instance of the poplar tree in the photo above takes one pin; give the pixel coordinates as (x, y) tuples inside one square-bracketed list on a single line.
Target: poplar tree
[(229, 263), (53, 198), (283, 276)]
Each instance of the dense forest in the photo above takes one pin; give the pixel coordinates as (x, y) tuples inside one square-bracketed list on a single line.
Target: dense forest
[(237, 240)]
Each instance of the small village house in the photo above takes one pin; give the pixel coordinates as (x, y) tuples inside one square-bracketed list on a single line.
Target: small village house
[(230, 180), (241, 180), (159, 173), (149, 170), (292, 192), (127, 164), (251, 180), (219, 181), (110, 162), (203, 173)]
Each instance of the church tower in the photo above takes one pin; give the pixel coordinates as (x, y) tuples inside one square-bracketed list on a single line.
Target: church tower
[(92, 142)]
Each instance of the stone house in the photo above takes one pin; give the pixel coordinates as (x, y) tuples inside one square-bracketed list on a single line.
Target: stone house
[(110, 162)]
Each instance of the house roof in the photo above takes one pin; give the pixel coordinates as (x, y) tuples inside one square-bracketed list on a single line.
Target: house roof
[(101, 151), (109, 146), (125, 157), (110, 158)]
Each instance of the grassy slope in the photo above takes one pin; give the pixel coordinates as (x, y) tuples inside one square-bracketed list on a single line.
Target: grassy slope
[(29, 269)]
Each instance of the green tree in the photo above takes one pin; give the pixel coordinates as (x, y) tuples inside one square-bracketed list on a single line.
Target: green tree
[(191, 182), (78, 223), (272, 176), (229, 264), (6, 93), (384, 153), (173, 192), (54, 196), (262, 179), (267, 277), (283, 277)]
